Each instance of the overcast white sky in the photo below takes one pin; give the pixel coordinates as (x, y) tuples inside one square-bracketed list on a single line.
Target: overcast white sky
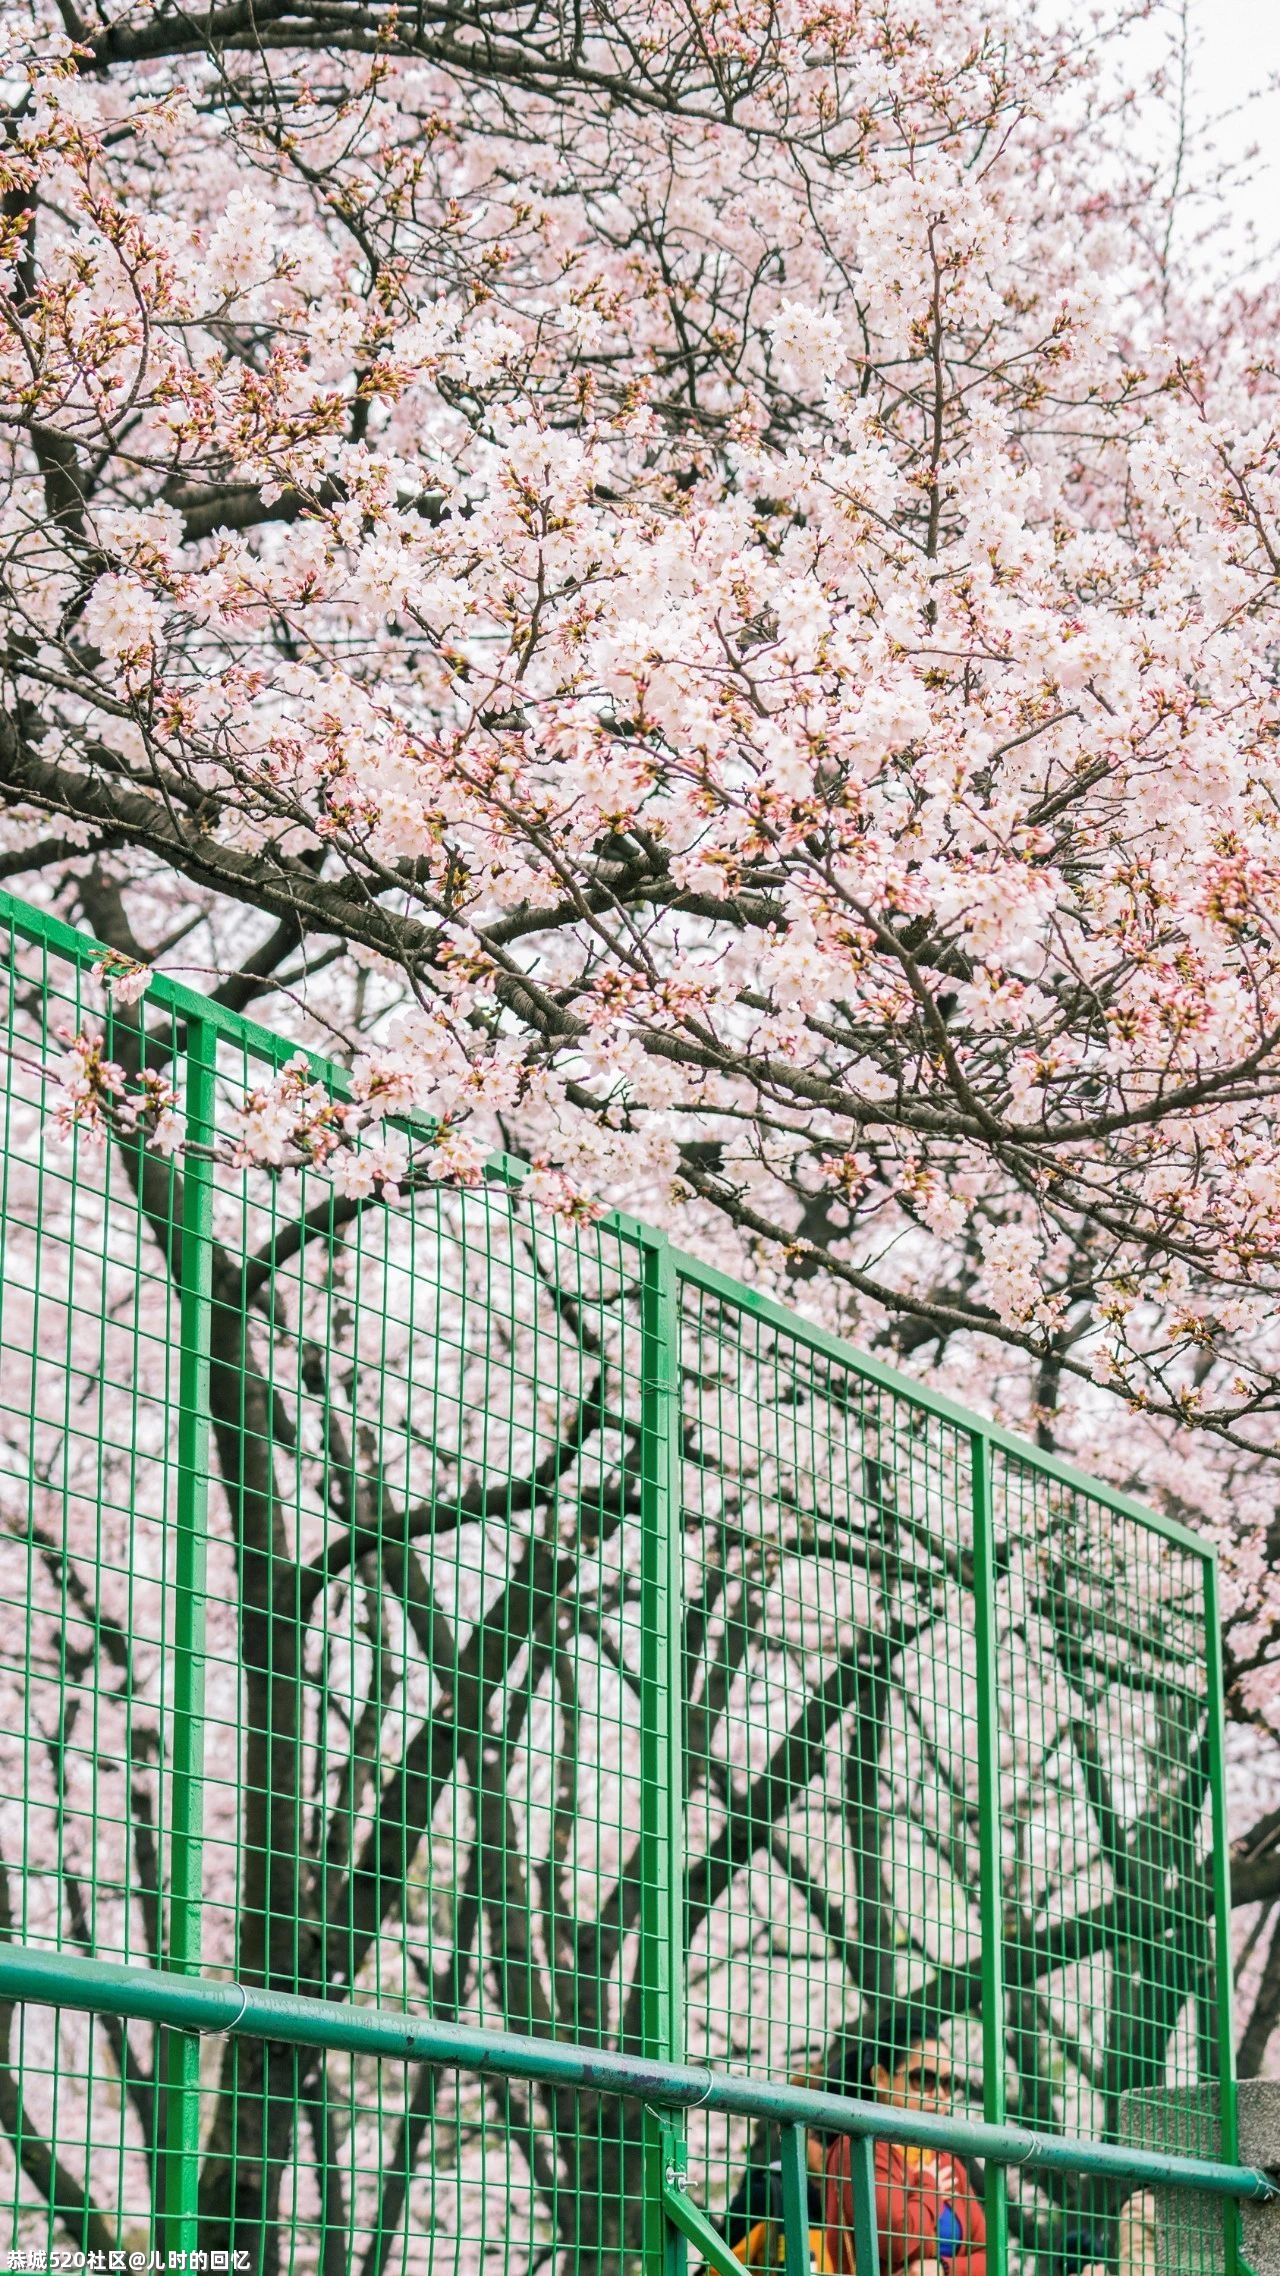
[(1239, 52), (1235, 47)]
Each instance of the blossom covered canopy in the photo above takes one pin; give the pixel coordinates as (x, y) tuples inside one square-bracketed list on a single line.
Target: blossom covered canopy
[(672, 538)]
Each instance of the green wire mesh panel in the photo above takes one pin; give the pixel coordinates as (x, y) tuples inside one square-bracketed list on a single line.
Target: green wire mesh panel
[(419, 1742), (843, 1753), (427, 1706), (88, 1394), (1111, 1995), (421, 1601), (833, 1738)]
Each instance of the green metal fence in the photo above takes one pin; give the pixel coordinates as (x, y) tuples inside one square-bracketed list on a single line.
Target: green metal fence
[(432, 1609)]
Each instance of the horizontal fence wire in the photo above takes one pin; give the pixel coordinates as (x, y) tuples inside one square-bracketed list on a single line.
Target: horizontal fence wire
[(428, 1604)]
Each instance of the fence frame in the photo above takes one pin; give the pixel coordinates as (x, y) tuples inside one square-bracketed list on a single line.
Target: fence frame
[(185, 2005)]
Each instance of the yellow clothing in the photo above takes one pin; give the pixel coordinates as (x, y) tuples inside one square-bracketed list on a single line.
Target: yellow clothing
[(764, 2249)]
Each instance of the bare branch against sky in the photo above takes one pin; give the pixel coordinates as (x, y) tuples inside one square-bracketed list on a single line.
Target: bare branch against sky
[(1234, 80)]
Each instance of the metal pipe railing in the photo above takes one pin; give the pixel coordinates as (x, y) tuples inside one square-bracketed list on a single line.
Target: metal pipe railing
[(66, 1980)]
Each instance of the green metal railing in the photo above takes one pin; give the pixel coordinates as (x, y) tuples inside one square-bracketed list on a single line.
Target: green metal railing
[(97, 1988), (493, 1702)]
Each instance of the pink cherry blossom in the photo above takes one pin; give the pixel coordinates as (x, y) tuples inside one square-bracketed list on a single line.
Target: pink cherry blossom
[(699, 608)]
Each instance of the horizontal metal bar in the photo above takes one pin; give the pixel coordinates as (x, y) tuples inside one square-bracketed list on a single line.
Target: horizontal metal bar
[(63, 1979)]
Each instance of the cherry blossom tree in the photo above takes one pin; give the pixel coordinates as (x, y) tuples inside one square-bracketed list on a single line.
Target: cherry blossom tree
[(685, 587)]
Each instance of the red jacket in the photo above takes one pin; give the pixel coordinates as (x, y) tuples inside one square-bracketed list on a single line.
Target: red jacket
[(926, 2209)]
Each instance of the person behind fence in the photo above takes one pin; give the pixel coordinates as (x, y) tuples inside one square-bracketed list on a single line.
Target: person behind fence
[(928, 2211), (753, 2222)]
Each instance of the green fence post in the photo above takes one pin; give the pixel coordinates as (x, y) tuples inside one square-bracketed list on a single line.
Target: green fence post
[(795, 2197), (661, 1723), (1223, 1972), (180, 2175), (991, 1865), (862, 2180)]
